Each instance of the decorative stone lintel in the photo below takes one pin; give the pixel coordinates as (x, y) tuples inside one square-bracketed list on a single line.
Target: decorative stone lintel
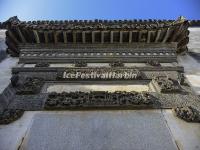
[(98, 99)]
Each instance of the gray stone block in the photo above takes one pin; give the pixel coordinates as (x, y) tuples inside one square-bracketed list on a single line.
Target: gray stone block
[(99, 130)]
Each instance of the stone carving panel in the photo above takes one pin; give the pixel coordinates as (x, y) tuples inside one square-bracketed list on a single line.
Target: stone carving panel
[(166, 85), (30, 86), (102, 99)]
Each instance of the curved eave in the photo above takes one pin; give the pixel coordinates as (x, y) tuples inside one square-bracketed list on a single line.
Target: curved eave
[(89, 32)]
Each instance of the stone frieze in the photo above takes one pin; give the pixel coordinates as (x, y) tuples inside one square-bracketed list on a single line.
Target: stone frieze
[(30, 86), (100, 99), (165, 84)]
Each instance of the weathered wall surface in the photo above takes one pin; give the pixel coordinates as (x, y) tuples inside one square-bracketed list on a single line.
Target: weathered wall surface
[(2, 45)]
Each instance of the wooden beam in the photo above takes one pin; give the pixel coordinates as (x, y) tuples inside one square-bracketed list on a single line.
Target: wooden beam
[(102, 37), (111, 36), (93, 36), (74, 36), (21, 36), (130, 37), (46, 39), (177, 31), (157, 36), (121, 37), (139, 36), (149, 36), (166, 36), (65, 36), (37, 39), (143, 35), (11, 35), (134, 35), (83, 36), (55, 35)]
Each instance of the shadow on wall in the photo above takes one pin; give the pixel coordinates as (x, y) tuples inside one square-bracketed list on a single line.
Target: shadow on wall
[(3, 55), (3, 46), (196, 56)]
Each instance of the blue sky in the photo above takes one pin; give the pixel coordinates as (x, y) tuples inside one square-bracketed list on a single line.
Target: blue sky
[(99, 9)]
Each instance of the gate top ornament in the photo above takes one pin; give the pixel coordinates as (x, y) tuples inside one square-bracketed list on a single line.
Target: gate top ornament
[(97, 52)]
